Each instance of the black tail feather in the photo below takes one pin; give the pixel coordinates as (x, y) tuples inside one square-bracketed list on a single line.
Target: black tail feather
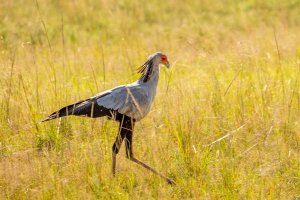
[(88, 108), (65, 111)]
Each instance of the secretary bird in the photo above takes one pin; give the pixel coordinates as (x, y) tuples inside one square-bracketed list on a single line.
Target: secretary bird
[(125, 104)]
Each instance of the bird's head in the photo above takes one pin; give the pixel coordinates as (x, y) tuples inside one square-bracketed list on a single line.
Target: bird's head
[(153, 62), (160, 58)]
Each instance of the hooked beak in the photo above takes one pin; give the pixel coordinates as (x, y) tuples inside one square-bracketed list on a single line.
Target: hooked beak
[(167, 64)]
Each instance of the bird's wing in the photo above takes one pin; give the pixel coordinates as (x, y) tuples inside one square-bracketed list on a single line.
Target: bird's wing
[(131, 100)]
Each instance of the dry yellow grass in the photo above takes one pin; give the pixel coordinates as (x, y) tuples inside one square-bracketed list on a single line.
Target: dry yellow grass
[(225, 123)]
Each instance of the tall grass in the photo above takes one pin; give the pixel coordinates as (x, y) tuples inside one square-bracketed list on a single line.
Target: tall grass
[(225, 122)]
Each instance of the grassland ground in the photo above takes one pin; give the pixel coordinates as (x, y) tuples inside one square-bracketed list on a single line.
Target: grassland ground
[(225, 122)]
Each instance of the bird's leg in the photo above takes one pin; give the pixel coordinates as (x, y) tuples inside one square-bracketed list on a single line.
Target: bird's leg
[(130, 156), (116, 146), (115, 151)]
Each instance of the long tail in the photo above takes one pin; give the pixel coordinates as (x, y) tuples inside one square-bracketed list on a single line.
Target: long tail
[(72, 109), (88, 108)]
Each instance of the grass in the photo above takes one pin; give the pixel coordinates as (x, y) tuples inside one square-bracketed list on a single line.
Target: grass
[(225, 122)]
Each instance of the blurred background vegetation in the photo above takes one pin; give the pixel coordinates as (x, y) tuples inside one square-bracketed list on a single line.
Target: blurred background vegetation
[(225, 122)]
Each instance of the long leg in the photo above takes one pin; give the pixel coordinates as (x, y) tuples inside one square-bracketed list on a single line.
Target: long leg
[(117, 144), (130, 156)]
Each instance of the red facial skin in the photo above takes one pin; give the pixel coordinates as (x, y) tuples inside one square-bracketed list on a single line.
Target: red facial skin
[(164, 59)]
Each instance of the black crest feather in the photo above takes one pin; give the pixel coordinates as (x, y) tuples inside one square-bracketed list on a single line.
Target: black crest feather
[(146, 69)]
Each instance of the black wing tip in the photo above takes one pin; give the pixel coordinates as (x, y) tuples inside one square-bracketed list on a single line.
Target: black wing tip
[(50, 117), (47, 119)]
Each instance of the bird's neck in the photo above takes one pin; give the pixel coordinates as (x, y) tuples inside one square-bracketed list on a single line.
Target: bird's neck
[(152, 77)]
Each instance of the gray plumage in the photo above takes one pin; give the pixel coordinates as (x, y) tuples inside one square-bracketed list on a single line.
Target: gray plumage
[(133, 100)]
